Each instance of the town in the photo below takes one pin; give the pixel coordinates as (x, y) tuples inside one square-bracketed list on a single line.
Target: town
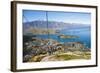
[(36, 49)]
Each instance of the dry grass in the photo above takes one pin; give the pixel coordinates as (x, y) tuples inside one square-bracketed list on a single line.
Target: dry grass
[(36, 58)]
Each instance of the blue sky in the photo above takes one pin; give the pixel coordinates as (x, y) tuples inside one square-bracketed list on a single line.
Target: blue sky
[(68, 17)]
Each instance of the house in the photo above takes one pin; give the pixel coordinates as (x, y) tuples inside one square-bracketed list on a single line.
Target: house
[(74, 46)]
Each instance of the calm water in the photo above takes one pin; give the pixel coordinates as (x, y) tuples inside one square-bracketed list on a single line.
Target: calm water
[(83, 34)]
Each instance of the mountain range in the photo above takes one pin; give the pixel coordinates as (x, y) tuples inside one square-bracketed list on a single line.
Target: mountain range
[(38, 27)]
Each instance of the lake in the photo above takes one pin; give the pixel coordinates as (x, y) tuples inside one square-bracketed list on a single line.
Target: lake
[(84, 35)]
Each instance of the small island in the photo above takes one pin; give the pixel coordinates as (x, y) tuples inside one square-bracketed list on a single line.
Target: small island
[(67, 36)]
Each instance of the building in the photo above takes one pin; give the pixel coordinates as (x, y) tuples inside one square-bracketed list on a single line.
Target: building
[(74, 46)]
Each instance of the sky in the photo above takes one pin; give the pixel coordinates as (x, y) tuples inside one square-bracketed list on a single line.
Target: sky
[(67, 17)]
